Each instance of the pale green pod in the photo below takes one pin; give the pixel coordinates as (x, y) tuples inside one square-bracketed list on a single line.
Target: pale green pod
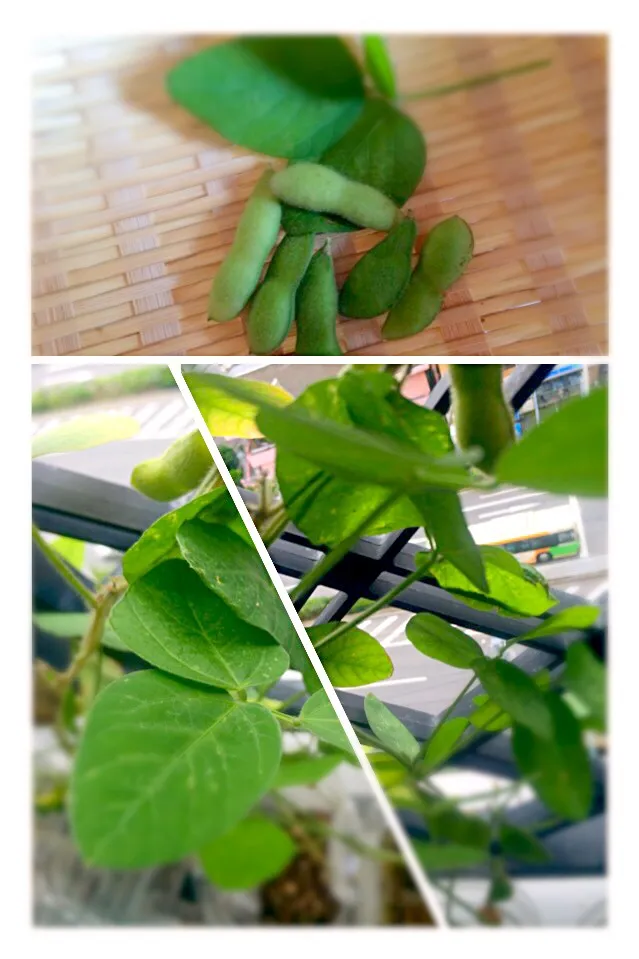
[(256, 235), (181, 468), (272, 309), (414, 311), (378, 280), (312, 186), (316, 309), (481, 414)]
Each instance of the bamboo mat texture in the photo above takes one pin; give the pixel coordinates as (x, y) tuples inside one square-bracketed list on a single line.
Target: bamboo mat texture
[(135, 202)]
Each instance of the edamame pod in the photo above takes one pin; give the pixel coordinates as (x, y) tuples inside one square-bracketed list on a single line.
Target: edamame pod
[(312, 186), (378, 280), (273, 306), (481, 414), (444, 256), (316, 309), (180, 469), (256, 235)]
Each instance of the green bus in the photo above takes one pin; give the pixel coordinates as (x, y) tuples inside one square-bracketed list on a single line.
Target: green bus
[(539, 536)]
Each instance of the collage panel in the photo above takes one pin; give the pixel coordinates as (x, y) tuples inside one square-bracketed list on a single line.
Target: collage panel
[(178, 779), (443, 533)]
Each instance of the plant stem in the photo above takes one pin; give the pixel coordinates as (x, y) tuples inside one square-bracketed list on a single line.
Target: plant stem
[(480, 80), (448, 711), (63, 569), (308, 582), (105, 600), (291, 699), (210, 482), (290, 720), (451, 896)]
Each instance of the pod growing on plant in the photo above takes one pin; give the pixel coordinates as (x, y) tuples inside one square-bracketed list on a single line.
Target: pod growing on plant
[(180, 469), (378, 280), (481, 414), (316, 309), (272, 309)]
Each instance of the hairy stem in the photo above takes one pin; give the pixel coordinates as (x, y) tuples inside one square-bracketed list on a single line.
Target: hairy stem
[(63, 569)]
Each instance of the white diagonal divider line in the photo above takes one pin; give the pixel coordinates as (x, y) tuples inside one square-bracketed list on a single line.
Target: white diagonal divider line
[(419, 876)]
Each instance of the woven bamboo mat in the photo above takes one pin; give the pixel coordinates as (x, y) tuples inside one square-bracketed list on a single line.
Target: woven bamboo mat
[(135, 202)]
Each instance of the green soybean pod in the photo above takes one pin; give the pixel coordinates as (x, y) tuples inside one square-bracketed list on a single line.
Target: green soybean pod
[(312, 186), (316, 309), (256, 235), (481, 414), (180, 469), (378, 280), (273, 306)]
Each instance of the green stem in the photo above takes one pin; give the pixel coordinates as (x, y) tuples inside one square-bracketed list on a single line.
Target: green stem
[(451, 896), (480, 80), (105, 600), (65, 571), (211, 481), (291, 699), (447, 713), (283, 718)]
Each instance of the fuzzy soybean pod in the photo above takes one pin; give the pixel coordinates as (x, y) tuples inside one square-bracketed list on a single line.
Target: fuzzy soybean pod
[(481, 414), (316, 309), (256, 235), (312, 186), (444, 256), (378, 280), (273, 306), (180, 469)]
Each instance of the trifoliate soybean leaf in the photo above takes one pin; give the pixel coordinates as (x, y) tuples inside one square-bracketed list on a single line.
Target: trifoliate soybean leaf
[(443, 741), (517, 694), (434, 856), (383, 149), (567, 453), (302, 769), (558, 768), (379, 66), (83, 432), (388, 770), (451, 825), (232, 414), (353, 659), (290, 96), (170, 618), (390, 731), (255, 850), (74, 626), (574, 617), (318, 716), (519, 844), (233, 570), (164, 767), (436, 638), (585, 678)]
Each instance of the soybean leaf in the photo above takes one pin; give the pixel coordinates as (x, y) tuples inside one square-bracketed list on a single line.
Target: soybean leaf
[(501, 888), (558, 768), (379, 66), (232, 414), (169, 618), (585, 677), (74, 626), (318, 716), (451, 825), (516, 693), (83, 432), (72, 550), (301, 769), (436, 638), (383, 149), (390, 731), (567, 453), (443, 741), (159, 542), (156, 750), (289, 96), (519, 844), (489, 715), (353, 659), (255, 850), (388, 770), (232, 569), (435, 856), (574, 617)]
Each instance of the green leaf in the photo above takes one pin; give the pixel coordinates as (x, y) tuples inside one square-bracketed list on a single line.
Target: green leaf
[(501, 888), (388, 770), (434, 856), (384, 149), (567, 453), (302, 769), (318, 716), (451, 825), (516, 693), (169, 618), (436, 638), (159, 542), (233, 570), (71, 550), (558, 768), (164, 767), (390, 731), (489, 715), (254, 851), (74, 626), (520, 844), (232, 414), (574, 617), (83, 432), (445, 525), (585, 677), (509, 586), (379, 66), (353, 659), (289, 96), (443, 741)]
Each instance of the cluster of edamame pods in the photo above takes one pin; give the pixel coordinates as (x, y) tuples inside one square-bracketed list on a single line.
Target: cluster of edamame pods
[(299, 285)]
